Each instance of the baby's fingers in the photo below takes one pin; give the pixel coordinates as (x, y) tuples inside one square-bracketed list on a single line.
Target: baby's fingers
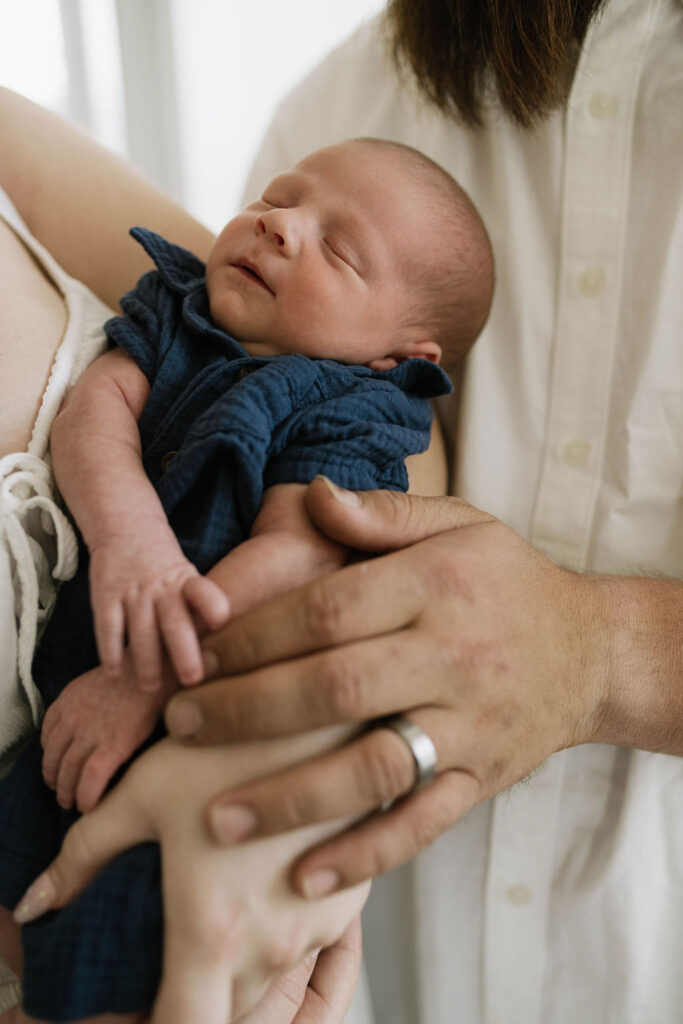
[(95, 774), (70, 768), (110, 624), (144, 641), (180, 637), (208, 600), (55, 744)]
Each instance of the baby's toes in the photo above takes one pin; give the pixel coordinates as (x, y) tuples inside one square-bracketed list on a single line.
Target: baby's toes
[(96, 773), (54, 750), (69, 772)]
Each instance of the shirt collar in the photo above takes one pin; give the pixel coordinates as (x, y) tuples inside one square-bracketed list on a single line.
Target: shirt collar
[(180, 269), (185, 274)]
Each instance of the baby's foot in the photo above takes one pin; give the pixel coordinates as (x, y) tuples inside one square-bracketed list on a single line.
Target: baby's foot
[(92, 728)]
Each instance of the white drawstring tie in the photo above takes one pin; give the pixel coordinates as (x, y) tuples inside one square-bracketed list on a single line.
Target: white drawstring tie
[(26, 494)]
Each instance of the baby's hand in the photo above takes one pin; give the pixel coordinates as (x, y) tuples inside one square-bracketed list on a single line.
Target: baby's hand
[(92, 728), (141, 583)]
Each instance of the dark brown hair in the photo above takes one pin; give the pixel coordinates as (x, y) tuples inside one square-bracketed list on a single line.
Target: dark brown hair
[(461, 51)]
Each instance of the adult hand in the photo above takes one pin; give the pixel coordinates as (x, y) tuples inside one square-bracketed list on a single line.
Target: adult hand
[(231, 922), (318, 991), (494, 651)]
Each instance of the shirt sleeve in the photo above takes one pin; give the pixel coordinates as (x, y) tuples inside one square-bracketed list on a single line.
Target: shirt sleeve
[(359, 440)]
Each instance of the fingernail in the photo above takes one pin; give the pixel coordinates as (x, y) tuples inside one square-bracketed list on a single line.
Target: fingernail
[(341, 494), (183, 718), (211, 663), (232, 822), (320, 883), (38, 898)]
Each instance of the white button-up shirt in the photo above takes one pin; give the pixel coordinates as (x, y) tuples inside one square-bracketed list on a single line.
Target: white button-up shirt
[(560, 902)]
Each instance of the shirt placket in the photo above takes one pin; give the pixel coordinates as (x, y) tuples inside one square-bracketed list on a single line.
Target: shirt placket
[(598, 137)]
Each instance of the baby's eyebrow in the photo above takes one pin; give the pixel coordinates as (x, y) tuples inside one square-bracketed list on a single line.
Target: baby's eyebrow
[(286, 182)]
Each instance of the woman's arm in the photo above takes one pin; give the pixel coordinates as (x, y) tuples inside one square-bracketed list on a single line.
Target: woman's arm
[(81, 201)]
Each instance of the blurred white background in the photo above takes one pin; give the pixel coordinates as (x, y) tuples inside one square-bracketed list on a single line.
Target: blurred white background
[(184, 87)]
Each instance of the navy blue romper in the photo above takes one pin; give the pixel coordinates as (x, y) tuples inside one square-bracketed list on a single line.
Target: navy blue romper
[(219, 427)]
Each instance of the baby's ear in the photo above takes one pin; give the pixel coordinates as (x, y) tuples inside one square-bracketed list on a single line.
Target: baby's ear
[(416, 348), (425, 348)]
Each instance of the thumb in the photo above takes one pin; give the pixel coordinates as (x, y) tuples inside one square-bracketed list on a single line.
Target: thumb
[(116, 824), (384, 520)]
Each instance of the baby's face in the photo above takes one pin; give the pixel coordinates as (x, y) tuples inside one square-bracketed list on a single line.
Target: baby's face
[(317, 265)]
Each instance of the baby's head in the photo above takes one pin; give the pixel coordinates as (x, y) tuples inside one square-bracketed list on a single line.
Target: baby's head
[(365, 252)]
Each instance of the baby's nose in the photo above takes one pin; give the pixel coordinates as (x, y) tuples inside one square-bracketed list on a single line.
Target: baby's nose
[(263, 228)]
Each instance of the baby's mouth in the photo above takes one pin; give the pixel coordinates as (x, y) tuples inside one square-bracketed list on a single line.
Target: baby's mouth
[(252, 275)]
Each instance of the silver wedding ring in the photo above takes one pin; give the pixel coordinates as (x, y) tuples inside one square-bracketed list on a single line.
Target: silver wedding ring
[(421, 747)]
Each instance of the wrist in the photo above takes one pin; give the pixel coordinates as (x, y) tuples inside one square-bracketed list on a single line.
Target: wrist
[(638, 671), (124, 531), (590, 665)]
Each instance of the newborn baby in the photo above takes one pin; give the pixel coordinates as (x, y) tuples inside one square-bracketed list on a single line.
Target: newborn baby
[(308, 344)]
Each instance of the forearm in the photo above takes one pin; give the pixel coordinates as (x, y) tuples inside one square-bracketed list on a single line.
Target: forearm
[(270, 564), (95, 446), (284, 551), (81, 202), (641, 638)]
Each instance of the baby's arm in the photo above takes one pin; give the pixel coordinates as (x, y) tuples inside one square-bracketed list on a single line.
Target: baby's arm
[(285, 550), (96, 724), (139, 578)]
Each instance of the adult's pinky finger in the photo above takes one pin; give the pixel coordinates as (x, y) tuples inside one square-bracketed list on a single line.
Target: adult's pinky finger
[(386, 839)]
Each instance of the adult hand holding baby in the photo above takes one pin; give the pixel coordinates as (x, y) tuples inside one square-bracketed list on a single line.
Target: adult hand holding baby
[(494, 651), (232, 925)]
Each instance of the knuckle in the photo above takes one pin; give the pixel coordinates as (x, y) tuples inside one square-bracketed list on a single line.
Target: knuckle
[(218, 937), (229, 713), (324, 611), (280, 953), (402, 509), (213, 929), (423, 830), (239, 648), (340, 687), (382, 857), (383, 768), (292, 808)]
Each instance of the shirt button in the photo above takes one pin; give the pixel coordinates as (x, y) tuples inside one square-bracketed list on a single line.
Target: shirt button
[(575, 453), (591, 281), (518, 895), (602, 105), (167, 459), (244, 371)]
